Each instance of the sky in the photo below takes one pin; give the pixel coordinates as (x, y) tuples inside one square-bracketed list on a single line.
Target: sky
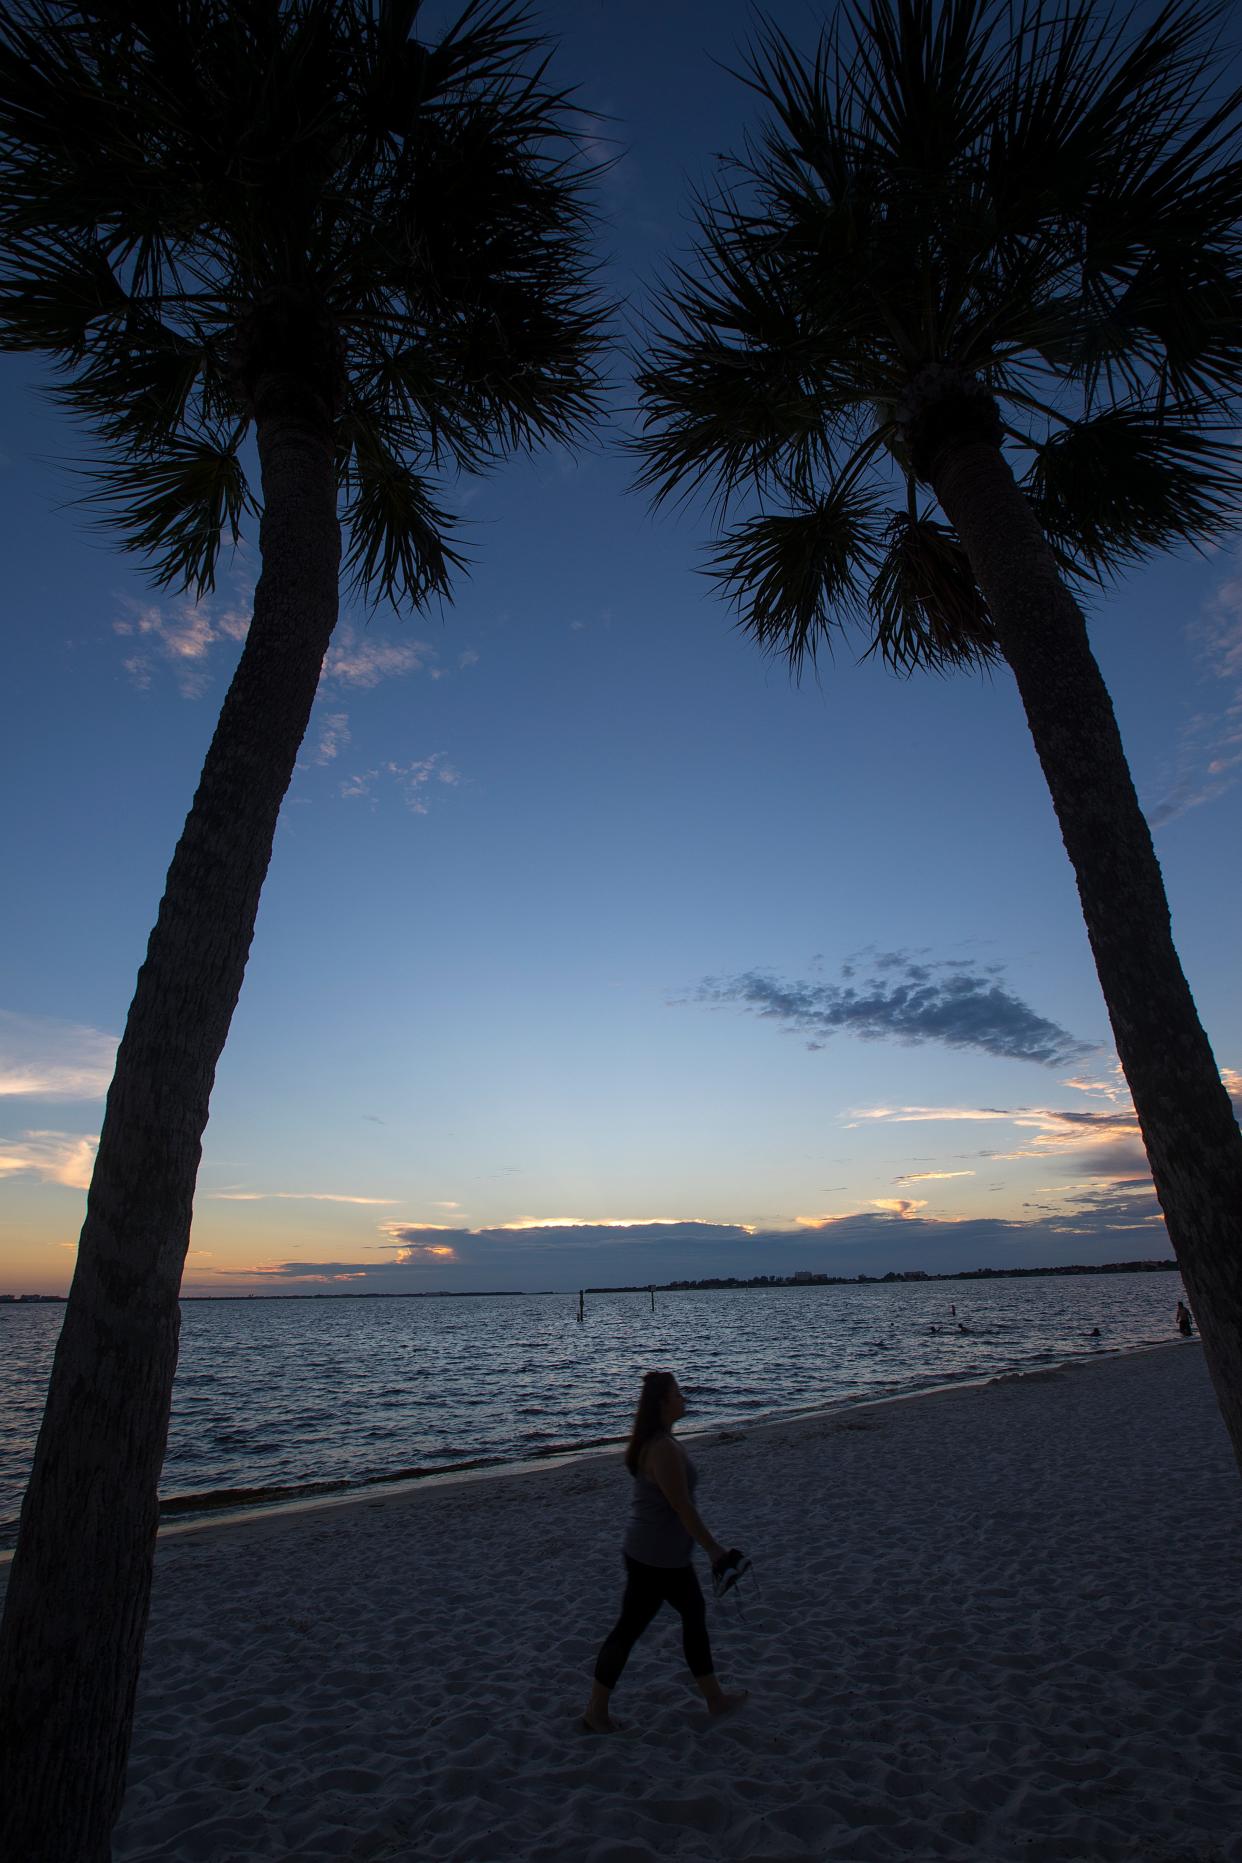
[(594, 950)]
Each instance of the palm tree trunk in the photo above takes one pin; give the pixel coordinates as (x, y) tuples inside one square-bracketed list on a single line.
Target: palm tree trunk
[(1193, 1143), (79, 1588)]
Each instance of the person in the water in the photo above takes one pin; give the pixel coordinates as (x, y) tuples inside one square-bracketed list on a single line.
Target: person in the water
[(658, 1550)]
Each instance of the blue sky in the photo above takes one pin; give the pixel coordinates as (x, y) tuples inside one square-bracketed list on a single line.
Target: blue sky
[(581, 915)]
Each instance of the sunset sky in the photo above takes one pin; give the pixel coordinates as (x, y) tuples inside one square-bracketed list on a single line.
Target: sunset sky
[(593, 950)]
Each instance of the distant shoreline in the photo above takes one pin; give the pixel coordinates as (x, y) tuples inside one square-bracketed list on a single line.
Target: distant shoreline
[(912, 1277), (711, 1283)]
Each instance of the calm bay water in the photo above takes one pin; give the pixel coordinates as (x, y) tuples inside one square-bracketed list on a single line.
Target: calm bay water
[(283, 1395)]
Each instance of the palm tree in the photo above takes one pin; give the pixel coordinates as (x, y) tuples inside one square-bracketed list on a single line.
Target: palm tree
[(292, 220), (963, 329)]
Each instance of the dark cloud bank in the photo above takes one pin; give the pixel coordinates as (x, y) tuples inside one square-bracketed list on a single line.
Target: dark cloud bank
[(903, 999), (1110, 1223)]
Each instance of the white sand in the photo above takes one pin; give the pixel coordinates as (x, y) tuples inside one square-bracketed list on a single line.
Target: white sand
[(1000, 1623)]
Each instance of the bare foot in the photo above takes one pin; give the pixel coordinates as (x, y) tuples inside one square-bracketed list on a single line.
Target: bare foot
[(725, 1704), (600, 1723)]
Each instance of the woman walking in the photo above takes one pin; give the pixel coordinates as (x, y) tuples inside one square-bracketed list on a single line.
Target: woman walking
[(658, 1550)]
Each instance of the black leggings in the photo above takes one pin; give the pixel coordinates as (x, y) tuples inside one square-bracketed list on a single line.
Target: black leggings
[(647, 1587)]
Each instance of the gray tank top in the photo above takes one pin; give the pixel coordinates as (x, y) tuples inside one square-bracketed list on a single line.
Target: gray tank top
[(655, 1535)]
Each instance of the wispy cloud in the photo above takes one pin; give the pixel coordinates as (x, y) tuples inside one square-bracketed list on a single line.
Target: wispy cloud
[(43, 1059), (178, 636), (353, 660), (1114, 1088), (65, 1158), (314, 1273), (903, 998), (1209, 755), (333, 737), (915, 1115), (926, 1177), (412, 781), (1052, 1130), (1086, 1143), (601, 619), (605, 150), (295, 1196), (589, 1224)]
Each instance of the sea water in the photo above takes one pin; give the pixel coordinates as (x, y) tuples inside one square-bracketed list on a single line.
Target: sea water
[(280, 1397)]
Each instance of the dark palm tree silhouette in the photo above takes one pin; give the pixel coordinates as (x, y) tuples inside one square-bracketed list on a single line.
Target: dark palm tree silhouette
[(963, 327), (291, 220)]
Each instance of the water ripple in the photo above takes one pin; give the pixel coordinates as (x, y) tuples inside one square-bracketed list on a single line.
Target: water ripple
[(277, 1395)]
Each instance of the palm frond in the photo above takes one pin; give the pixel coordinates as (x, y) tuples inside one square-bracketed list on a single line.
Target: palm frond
[(474, 238), (926, 608), (84, 114), (135, 391), (491, 46), (474, 255), (1083, 105), (517, 369), (175, 506), (54, 293), (1178, 324), (1114, 152), (795, 575), (398, 535), (1031, 210), (170, 170), (719, 414), (920, 82), (754, 373), (400, 384), (1126, 482)]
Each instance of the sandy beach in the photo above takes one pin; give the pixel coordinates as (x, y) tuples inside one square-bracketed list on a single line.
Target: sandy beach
[(1001, 1622)]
